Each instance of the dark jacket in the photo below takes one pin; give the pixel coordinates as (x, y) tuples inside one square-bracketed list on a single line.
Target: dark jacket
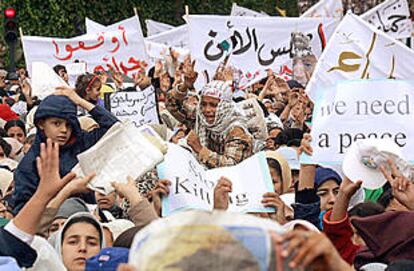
[(26, 176), (12, 246)]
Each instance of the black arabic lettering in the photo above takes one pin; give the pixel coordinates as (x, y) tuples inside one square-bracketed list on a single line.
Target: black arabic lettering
[(274, 54), (212, 57)]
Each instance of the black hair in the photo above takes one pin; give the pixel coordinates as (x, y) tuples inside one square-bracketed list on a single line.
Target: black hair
[(275, 165), (15, 123), (83, 219), (59, 67), (3, 133), (125, 239), (264, 109), (82, 83), (6, 147), (365, 209)]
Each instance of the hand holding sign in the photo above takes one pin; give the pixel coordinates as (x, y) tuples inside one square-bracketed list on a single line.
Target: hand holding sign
[(221, 194), (161, 189)]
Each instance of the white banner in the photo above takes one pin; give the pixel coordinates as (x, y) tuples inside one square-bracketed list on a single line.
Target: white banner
[(359, 51), (325, 8), (138, 107), (392, 17), (193, 186), (157, 46), (254, 44), (121, 48), (241, 11), (361, 109), (154, 27)]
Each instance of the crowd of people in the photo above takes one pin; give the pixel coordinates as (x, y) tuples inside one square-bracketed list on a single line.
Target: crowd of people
[(51, 220)]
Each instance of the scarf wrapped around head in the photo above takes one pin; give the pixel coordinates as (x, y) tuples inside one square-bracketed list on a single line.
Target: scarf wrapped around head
[(228, 115)]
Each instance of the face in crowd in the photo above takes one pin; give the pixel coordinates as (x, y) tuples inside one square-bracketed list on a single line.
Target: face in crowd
[(80, 241), (327, 193), (57, 129), (209, 107), (105, 202)]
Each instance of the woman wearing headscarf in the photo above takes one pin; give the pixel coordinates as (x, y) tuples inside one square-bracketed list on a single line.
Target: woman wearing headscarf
[(220, 136), (80, 238)]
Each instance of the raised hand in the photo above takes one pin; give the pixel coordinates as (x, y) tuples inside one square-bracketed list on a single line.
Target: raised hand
[(402, 188)]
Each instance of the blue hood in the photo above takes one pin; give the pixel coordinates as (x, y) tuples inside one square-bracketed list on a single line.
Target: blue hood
[(58, 107)]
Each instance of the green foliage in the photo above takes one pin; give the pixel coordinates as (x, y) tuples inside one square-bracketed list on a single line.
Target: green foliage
[(59, 17)]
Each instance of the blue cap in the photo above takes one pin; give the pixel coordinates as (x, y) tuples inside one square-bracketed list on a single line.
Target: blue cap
[(108, 259), (325, 174)]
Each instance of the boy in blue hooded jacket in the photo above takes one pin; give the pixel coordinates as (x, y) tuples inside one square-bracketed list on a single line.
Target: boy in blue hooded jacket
[(56, 118)]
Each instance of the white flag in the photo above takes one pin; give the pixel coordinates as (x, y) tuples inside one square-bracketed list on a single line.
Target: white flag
[(325, 8), (357, 50), (45, 80), (241, 11), (154, 27), (392, 17), (120, 47), (252, 44)]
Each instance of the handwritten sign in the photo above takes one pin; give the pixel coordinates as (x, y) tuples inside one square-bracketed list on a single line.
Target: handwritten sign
[(193, 186), (252, 44), (237, 10), (154, 27), (358, 50), (325, 8), (353, 110), (121, 48), (392, 17), (138, 107)]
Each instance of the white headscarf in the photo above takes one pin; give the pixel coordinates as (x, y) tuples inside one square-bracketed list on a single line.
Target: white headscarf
[(59, 236), (228, 115)]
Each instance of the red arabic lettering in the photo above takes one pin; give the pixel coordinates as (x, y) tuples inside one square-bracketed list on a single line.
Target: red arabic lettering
[(123, 34)]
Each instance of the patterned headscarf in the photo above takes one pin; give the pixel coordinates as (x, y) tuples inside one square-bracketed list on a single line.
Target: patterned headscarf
[(228, 115)]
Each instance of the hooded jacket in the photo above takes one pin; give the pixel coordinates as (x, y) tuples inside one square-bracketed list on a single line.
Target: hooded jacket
[(26, 176)]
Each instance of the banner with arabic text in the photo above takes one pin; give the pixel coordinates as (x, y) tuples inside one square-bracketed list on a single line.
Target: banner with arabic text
[(252, 44), (358, 50), (156, 46), (121, 48), (392, 17)]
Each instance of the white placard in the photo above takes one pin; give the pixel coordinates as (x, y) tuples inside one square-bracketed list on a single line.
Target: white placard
[(45, 80), (355, 110), (326, 8), (138, 107), (193, 186)]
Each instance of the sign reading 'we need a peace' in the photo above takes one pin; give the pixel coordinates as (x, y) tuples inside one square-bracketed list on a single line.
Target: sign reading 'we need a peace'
[(355, 110)]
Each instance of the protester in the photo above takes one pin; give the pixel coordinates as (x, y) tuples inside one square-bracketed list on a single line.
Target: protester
[(16, 129), (313, 214), (56, 119)]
